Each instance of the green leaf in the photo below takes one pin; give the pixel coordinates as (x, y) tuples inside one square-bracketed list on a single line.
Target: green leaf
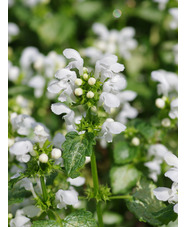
[(14, 181), (80, 218), (74, 153), (45, 223), (91, 142), (62, 28), (88, 9), (147, 208), (17, 195), (144, 128), (123, 178), (123, 153)]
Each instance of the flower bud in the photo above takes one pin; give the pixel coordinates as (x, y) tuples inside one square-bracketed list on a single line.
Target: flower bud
[(43, 158), (10, 216), (56, 153), (78, 91), (91, 81), (78, 82), (94, 109), (85, 76), (166, 122), (160, 103), (10, 142), (85, 70), (135, 141), (90, 94)]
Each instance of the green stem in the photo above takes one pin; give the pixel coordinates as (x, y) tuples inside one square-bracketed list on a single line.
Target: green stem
[(121, 197), (96, 187), (43, 186)]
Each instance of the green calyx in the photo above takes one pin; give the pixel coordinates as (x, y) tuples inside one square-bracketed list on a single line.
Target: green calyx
[(102, 194)]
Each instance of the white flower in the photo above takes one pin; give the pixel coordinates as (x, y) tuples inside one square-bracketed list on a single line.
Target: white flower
[(13, 30), (21, 149), (126, 96), (110, 127), (53, 62), (40, 135), (31, 211), (60, 108), (26, 183), (126, 42), (168, 82), (78, 61), (90, 94), (109, 42), (174, 109), (58, 140), (108, 101), (167, 194), (66, 197), (28, 57), (78, 181), (172, 160), (93, 53), (107, 67), (13, 72), (38, 83), (20, 220), (115, 84), (65, 83), (43, 158), (174, 21), (126, 112), (22, 123), (56, 153), (157, 152)]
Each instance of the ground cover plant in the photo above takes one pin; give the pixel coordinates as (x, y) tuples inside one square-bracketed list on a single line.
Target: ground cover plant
[(93, 113)]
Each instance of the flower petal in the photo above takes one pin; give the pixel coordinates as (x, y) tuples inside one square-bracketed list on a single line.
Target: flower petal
[(172, 174), (59, 108), (21, 147), (162, 193), (116, 127), (65, 74), (117, 67), (109, 100), (78, 181), (54, 87), (71, 53), (171, 159), (175, 208)]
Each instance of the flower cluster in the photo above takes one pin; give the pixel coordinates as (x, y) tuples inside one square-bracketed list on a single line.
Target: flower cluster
[(36, 69), (156, 154), (167, 194), (168, 87), (95, 91), (111, 42)]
